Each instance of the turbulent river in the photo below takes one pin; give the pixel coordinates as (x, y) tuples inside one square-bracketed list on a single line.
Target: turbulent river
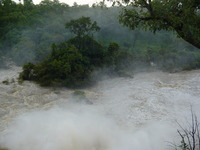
[(139, 113)]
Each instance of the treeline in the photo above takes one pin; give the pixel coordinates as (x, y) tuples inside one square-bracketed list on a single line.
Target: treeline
[(71, 63), (27, 32)]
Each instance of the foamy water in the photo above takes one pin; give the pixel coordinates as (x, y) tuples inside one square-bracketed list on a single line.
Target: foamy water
[(123, 113)]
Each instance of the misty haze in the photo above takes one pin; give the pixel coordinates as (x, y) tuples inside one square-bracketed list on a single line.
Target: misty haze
[(91, 77)]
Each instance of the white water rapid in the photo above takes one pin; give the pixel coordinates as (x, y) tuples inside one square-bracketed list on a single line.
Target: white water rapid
[(123, 114)]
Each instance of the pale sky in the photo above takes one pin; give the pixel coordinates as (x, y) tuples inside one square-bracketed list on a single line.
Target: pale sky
[(71, 2)]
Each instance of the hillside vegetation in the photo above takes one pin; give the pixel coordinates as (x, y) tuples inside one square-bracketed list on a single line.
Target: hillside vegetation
[(35, 35)]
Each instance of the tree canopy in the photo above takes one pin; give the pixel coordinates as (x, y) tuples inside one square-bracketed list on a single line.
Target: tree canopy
[(82, 26), (182, 16), (71, 63), (28, 30)]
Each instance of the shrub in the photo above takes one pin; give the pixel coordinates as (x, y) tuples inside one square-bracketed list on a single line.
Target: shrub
[(70, 63)]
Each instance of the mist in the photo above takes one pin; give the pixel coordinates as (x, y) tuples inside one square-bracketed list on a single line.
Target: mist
[(138, 109), (125, 113), (32, 43), (80, 130)]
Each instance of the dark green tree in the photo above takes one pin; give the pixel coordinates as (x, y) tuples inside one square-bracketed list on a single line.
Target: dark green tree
[(82, 26), (182, 16), (113, 48), (28, 2)]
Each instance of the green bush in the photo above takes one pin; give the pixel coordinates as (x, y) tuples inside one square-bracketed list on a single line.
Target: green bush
[(70, 63), (90, 48), (28, 72)]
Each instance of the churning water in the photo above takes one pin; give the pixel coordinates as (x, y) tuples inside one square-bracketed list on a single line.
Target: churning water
[(119, 114)]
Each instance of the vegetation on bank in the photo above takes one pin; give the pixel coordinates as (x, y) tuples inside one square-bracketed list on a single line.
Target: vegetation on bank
[(27, 32), (71, 63)]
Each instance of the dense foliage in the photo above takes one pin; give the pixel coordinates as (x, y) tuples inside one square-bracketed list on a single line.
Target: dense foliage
[(82, 26), (182, 16), (71, 67), (22, 28), (27, 32), (66, 66), (71, 63)]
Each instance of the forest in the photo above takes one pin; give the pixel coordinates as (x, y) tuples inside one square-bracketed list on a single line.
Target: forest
[(37, 37)]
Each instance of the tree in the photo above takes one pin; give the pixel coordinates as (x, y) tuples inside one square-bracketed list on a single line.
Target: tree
[(113, 47), (182, 16), (28, 2), (190, 137), (82, 26)]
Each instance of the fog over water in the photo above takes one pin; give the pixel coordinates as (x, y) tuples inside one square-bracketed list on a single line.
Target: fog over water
[(137, 113)]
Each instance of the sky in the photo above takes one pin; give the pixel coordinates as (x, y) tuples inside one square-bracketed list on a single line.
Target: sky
[(71, 2)]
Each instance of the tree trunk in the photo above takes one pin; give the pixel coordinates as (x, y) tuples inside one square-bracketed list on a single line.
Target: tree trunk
[(189, 38)]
